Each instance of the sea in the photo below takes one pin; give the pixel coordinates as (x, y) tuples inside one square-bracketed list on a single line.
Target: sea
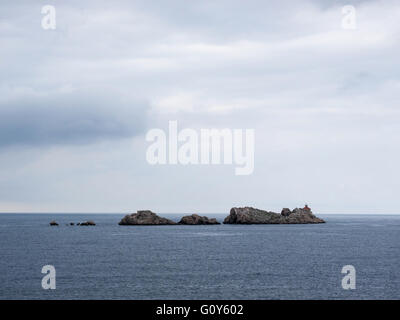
[(108, 261)]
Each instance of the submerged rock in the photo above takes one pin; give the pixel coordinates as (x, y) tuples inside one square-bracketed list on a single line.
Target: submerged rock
[(248, 215), (196, 219), (145, 217), (53, 223), (87, 223)]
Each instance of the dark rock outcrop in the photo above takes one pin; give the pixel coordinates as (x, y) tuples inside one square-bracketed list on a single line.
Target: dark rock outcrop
[(53, 223), (145, 217), (248, 215), (196, 219), (87, 223)]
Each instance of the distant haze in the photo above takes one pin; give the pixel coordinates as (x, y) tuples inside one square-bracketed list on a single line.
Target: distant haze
[(76, 103)]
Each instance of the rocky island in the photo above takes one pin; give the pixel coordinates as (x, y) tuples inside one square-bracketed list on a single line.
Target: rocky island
[(145, 217), (195, 219), (246, 215), (87, 223), (249, 215)]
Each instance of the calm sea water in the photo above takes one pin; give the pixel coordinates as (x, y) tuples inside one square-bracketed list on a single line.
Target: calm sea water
[(109, 261)]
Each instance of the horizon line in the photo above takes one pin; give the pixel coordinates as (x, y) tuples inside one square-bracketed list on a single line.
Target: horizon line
[(199, 213)]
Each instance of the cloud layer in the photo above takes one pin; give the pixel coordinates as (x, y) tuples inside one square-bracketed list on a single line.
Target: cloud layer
[(75, 103), (68, 118)]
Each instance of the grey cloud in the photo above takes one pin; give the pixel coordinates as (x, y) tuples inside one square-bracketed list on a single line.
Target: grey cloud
[(68, 118)]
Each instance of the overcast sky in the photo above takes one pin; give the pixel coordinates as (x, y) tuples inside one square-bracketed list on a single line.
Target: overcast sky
[(76, 103)]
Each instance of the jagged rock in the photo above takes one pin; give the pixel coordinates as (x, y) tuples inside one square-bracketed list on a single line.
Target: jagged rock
[(53, 223), (196, 219), (145, 217), (286, 212), (248, 215), (87, 223)]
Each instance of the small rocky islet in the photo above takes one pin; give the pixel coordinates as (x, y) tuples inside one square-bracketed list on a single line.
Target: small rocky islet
[(144, 218), (249, 215), (147, 217), (195, 219), (85, 223), (245, 215)]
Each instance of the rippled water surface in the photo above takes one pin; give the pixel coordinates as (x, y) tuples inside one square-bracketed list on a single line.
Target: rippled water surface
[(109, 261)]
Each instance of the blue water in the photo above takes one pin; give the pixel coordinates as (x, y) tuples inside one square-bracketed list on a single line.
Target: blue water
[(109, 261)]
